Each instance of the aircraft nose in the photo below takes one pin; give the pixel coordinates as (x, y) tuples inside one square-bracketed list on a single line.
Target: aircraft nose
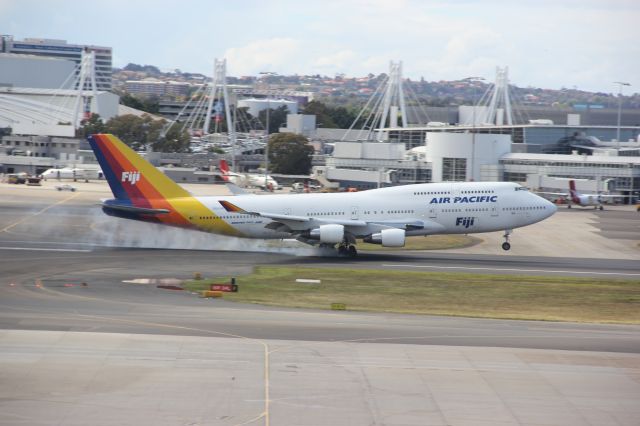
[(550, 207)]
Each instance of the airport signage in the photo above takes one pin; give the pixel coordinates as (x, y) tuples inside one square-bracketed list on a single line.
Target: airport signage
[(231, 288)]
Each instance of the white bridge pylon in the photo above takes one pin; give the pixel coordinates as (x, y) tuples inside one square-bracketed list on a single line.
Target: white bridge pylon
[(495, 105), (86, 77), (219, 91), (393, 101), (385, 105)]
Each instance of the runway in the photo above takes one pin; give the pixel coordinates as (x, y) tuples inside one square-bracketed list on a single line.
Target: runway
[(112, 352)]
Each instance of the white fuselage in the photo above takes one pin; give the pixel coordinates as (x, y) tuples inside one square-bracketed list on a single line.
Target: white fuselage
[(587, 200), (259, 181), (71, 173), (252, 179), (443, 208)]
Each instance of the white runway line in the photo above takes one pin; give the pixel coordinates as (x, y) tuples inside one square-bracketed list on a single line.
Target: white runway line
[(44, 249), (472, 268)]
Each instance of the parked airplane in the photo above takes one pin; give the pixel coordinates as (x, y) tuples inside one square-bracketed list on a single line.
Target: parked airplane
[(383, 216), (71, 173), (247, 179), (583, 200)]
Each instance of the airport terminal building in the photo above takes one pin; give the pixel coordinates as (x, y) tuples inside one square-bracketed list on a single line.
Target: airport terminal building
[(62, 50), (538, 156)]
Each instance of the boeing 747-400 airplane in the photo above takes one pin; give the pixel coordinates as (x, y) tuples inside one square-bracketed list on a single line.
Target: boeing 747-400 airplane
[(383, 216)]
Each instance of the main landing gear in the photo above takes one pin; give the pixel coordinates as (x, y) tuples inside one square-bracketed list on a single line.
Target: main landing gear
[(347, 250), (506, 245)]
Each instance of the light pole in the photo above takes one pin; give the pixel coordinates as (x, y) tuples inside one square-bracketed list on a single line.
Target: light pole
[(473, 122), (620, 84), (266, 148)]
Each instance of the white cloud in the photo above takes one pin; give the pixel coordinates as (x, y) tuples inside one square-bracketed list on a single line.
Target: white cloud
[(273, 55), (335, 62), (545, 43)]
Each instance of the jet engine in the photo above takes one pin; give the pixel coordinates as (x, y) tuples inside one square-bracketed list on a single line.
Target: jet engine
[(330, 234), (388, 238)]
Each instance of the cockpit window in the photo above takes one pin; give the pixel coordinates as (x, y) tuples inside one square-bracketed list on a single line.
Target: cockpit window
[(521, 188)]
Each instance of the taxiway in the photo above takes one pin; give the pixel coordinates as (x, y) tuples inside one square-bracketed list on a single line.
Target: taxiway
[(81, 345)]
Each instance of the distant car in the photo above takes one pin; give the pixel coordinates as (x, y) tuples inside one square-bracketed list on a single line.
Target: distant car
[(302, 187), (66, 187)]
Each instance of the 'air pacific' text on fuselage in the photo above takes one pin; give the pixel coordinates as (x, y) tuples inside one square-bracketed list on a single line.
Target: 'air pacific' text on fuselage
[(472, 199)]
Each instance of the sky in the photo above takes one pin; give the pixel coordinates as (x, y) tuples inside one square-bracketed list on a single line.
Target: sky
[(551, 44)]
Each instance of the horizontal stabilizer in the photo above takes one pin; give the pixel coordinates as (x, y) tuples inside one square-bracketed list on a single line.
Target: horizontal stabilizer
[(133, 209), (236, 190)]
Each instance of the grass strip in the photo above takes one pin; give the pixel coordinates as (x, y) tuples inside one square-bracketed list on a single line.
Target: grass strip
[(548, 298)]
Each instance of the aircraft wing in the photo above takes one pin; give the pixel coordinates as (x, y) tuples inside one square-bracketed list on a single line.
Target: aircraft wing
[(230, 207), (560, 194), (608, 195), (604, 147), (590, 148), (407, 224)]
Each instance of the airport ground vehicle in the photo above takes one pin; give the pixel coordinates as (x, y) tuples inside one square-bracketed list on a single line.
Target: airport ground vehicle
[(34, 181), (17, 178), (66, 187)]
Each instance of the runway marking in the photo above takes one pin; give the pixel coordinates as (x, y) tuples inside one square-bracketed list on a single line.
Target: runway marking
[(265, 414), (45, 249), (478, 268), (265, 346), (6, 228), (62, 243)]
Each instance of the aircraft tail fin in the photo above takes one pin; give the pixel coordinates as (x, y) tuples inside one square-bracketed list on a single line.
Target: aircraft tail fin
[(572, 192), (133, 180), (224, 168)]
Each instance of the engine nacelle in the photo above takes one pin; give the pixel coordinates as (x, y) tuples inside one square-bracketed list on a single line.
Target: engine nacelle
[(330, 234), (388, 238)]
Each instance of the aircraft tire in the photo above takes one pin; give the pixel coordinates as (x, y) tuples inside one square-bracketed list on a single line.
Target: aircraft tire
[(506, 246), (352, 252)]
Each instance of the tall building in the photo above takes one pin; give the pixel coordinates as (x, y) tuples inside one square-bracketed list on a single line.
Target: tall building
[(61, 49), (36, 72), (154, 87)]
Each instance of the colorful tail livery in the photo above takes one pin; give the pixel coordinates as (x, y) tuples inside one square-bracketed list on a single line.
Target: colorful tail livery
[(143, 192), (573, 193), (224, 168)]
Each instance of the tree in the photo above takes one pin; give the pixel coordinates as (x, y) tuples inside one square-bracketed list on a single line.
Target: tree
[(138, 132), (90, 126), (343, 117), (150, 105), (290, 153), (130, 129), (321, 111), (175, 140), (131, 101), (276, 117)]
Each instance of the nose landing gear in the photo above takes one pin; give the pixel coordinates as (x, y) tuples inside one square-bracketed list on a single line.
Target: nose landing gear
[(506, 245)]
